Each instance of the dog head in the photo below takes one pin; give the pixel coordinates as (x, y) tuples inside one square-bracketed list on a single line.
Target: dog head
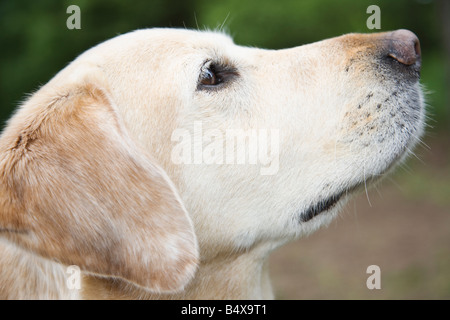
[(261, 145)]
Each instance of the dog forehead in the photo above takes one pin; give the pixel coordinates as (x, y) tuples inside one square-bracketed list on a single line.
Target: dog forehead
[(183, 35), (168, 40), (175, 48)]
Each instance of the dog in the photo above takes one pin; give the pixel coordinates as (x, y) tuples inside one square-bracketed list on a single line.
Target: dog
[(107, 167)]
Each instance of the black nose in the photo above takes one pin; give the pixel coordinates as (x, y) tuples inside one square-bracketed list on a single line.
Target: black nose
[(403, 46)]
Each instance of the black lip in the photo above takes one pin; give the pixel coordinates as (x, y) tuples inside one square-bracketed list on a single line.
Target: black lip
[(320, 206), (330, 202)]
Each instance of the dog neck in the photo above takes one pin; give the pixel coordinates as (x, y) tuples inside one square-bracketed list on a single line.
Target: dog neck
[(234, 276)]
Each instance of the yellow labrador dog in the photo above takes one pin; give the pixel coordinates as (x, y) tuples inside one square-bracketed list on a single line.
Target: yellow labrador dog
[(169, 163)]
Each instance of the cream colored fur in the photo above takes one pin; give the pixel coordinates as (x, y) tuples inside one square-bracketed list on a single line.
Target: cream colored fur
[(87, 177)]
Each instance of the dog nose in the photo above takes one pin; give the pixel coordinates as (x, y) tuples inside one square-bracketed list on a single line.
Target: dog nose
[(403, 46)]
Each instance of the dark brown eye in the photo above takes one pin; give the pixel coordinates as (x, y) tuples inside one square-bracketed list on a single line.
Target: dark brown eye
[(209, 78), (215, 76)]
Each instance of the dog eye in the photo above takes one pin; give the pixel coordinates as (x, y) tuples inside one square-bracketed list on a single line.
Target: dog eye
[(215, 75), (210, 78)]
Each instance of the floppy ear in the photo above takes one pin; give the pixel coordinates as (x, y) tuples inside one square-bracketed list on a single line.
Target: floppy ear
[(74, 188)]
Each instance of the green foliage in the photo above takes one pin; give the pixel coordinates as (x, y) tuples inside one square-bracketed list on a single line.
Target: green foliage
[(35, 42)]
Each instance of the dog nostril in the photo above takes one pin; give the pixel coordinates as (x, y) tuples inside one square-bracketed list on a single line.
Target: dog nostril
[(403, 46)]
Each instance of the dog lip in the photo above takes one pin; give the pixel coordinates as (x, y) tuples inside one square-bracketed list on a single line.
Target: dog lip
[(321, 206)]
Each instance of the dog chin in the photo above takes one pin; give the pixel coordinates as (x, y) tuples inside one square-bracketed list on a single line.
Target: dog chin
[(335, 200)]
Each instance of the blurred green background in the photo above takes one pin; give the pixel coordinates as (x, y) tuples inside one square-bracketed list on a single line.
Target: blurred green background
[(35, 44)]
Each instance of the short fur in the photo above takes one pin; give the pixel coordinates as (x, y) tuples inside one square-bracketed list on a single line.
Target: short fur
[(87, 179)]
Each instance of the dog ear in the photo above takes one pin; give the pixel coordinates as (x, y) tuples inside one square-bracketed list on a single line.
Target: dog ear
[(74, 188)]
